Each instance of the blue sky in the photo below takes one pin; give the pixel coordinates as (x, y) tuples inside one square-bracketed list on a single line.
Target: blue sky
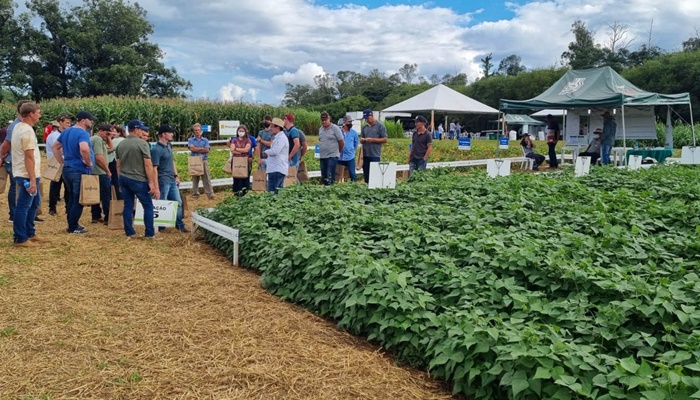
[(248, 50)]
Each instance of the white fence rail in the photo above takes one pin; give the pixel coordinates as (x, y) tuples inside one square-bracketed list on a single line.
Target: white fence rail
[(198, 221)]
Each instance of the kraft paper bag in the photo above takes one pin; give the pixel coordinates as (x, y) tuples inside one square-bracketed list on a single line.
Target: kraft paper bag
[(89, 190), (195, 165), (115, 220), (239, 166), (303, 173), (228, 165), (360, 159), (259, 181), (3, 178), (53, 170), (291, 178)]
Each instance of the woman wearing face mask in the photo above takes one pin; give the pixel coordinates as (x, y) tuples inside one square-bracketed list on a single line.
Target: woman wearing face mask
[(593, 149), (352, 141), (240, 147)]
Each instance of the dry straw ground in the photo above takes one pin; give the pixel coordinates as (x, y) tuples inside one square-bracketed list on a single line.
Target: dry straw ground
[(98, 316)]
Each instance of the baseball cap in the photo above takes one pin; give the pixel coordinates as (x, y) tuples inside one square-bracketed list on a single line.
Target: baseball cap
[(165, 128), (136, 124), (324, 115), (84, 115), (289, 117), (105, 127), (366, 113), (422, 119)]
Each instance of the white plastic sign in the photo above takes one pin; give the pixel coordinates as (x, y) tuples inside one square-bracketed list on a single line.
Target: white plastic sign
[(635, 163), (496, 168), (228, 128), (690, 155), (464, 143), (503, 143), (164, 213), (382, 175), (583, 166), (317, 151)]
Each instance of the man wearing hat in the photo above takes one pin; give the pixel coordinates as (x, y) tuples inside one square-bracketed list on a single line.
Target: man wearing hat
[(330, 143), (73, 149), (372, 138), (607, 138), (421, 147), (277, 156), (166, 171), (352, 141), (137, 178), (101, 142), (593, 149), (63, 123)]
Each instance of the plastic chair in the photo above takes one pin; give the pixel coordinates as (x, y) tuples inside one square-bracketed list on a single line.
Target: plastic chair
[(530, 161)]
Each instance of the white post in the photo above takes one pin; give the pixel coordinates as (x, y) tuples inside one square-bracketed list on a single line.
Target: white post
[(692, 124), (669, 129), (624, 138)]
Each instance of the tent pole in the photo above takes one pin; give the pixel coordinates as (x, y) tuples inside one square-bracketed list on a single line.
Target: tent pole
[(692, 124), (669, 129), (432, 120), (624, 134)]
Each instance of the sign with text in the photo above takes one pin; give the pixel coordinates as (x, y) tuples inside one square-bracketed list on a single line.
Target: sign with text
[(503, 143), (464, 143), (228, 128), (317, 151), (164, 213)]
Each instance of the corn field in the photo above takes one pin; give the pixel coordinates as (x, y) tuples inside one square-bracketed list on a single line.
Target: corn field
[(181, 114)]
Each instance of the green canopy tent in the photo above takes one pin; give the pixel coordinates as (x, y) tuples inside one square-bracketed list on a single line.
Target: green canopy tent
[(597, 87)]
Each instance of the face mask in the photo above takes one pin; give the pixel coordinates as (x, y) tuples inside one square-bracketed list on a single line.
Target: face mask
[(596, 136), (349, 124), (266, 124), (241, 134)]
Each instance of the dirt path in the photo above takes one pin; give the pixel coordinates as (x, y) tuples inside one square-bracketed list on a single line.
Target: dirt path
[(100, 316)]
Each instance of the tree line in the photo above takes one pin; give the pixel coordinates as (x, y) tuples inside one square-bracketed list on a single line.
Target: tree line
[(99, 48)]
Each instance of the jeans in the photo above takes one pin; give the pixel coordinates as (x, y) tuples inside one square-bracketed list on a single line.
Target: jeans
[(553, 155), (365, 166), (240, 185), (105, 197), (170, 191), (539, 159), (115, 179), (328, 170), (275, 181), (72, 179), (55, 194), (605, 150), (350, 165), (132, 188), (12, 190), (25, 211), (416, 164)]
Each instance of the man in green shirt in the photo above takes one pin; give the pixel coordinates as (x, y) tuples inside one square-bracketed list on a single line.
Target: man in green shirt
[(101, 144)]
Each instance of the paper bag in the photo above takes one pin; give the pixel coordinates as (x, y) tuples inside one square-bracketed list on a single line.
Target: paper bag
[(360, 159), (195, 165), (3, 178), (53, 170), (259, 181), (89, 190), (302, 174), (291, 178), (115, 220), (340, 171), (227, 165), (240, 167)]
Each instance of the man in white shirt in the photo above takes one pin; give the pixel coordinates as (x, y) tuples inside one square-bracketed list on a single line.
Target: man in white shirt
[(63, 123), (277, 157), (26, 163)]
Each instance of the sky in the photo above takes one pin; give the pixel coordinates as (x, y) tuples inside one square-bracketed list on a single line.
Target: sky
[(247, 50)]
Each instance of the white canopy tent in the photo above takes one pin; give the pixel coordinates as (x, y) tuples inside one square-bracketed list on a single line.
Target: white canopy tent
[(441, 99)]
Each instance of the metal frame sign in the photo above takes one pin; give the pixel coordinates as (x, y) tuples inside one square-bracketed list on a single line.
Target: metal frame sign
[(503, 143), (464, 143)]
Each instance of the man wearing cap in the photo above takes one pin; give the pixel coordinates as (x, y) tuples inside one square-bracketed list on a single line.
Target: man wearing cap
[(277, 156), (6, 160), (73, 149), (352, 141), (372, 138), (593, 149), (199, 147), (264, 143), (330, 142), (421, 147), (101, 143), (607, 138), (137, 178), (166, 171), (64, 121), (294, 142), (26, 161)]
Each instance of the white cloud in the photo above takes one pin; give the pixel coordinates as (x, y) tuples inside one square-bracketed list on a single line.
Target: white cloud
[(304, 75), (231, 92)]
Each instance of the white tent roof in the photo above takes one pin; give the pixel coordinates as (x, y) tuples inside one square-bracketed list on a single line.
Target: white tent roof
[(544, 113), (443, 99)]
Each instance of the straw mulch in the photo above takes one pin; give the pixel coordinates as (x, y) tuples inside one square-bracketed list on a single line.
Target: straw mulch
[(99, 316)]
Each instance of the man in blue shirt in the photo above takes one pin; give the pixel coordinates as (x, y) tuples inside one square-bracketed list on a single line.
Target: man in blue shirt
[(6, 160), (199, 147), (265, 140), (74, 150), (166, 171), (295, 144), (352, 141)]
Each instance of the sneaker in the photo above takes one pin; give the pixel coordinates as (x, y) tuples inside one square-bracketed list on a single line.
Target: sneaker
[(37, 219), (35, 238), (26, 244), (79, 231), (106, 222), (97, 220), (195, 196), (212, 197), (79, 227), (52, 212), (131, 237)]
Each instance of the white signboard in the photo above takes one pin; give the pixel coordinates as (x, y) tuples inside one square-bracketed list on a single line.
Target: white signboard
[(496, 168), (228, 128), (382, 175), (583, 166), (635, 163), (164, 213), (690, 155)]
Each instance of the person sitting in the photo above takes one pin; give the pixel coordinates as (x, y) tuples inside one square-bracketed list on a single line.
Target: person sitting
[(593, 149), (528, 146)]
